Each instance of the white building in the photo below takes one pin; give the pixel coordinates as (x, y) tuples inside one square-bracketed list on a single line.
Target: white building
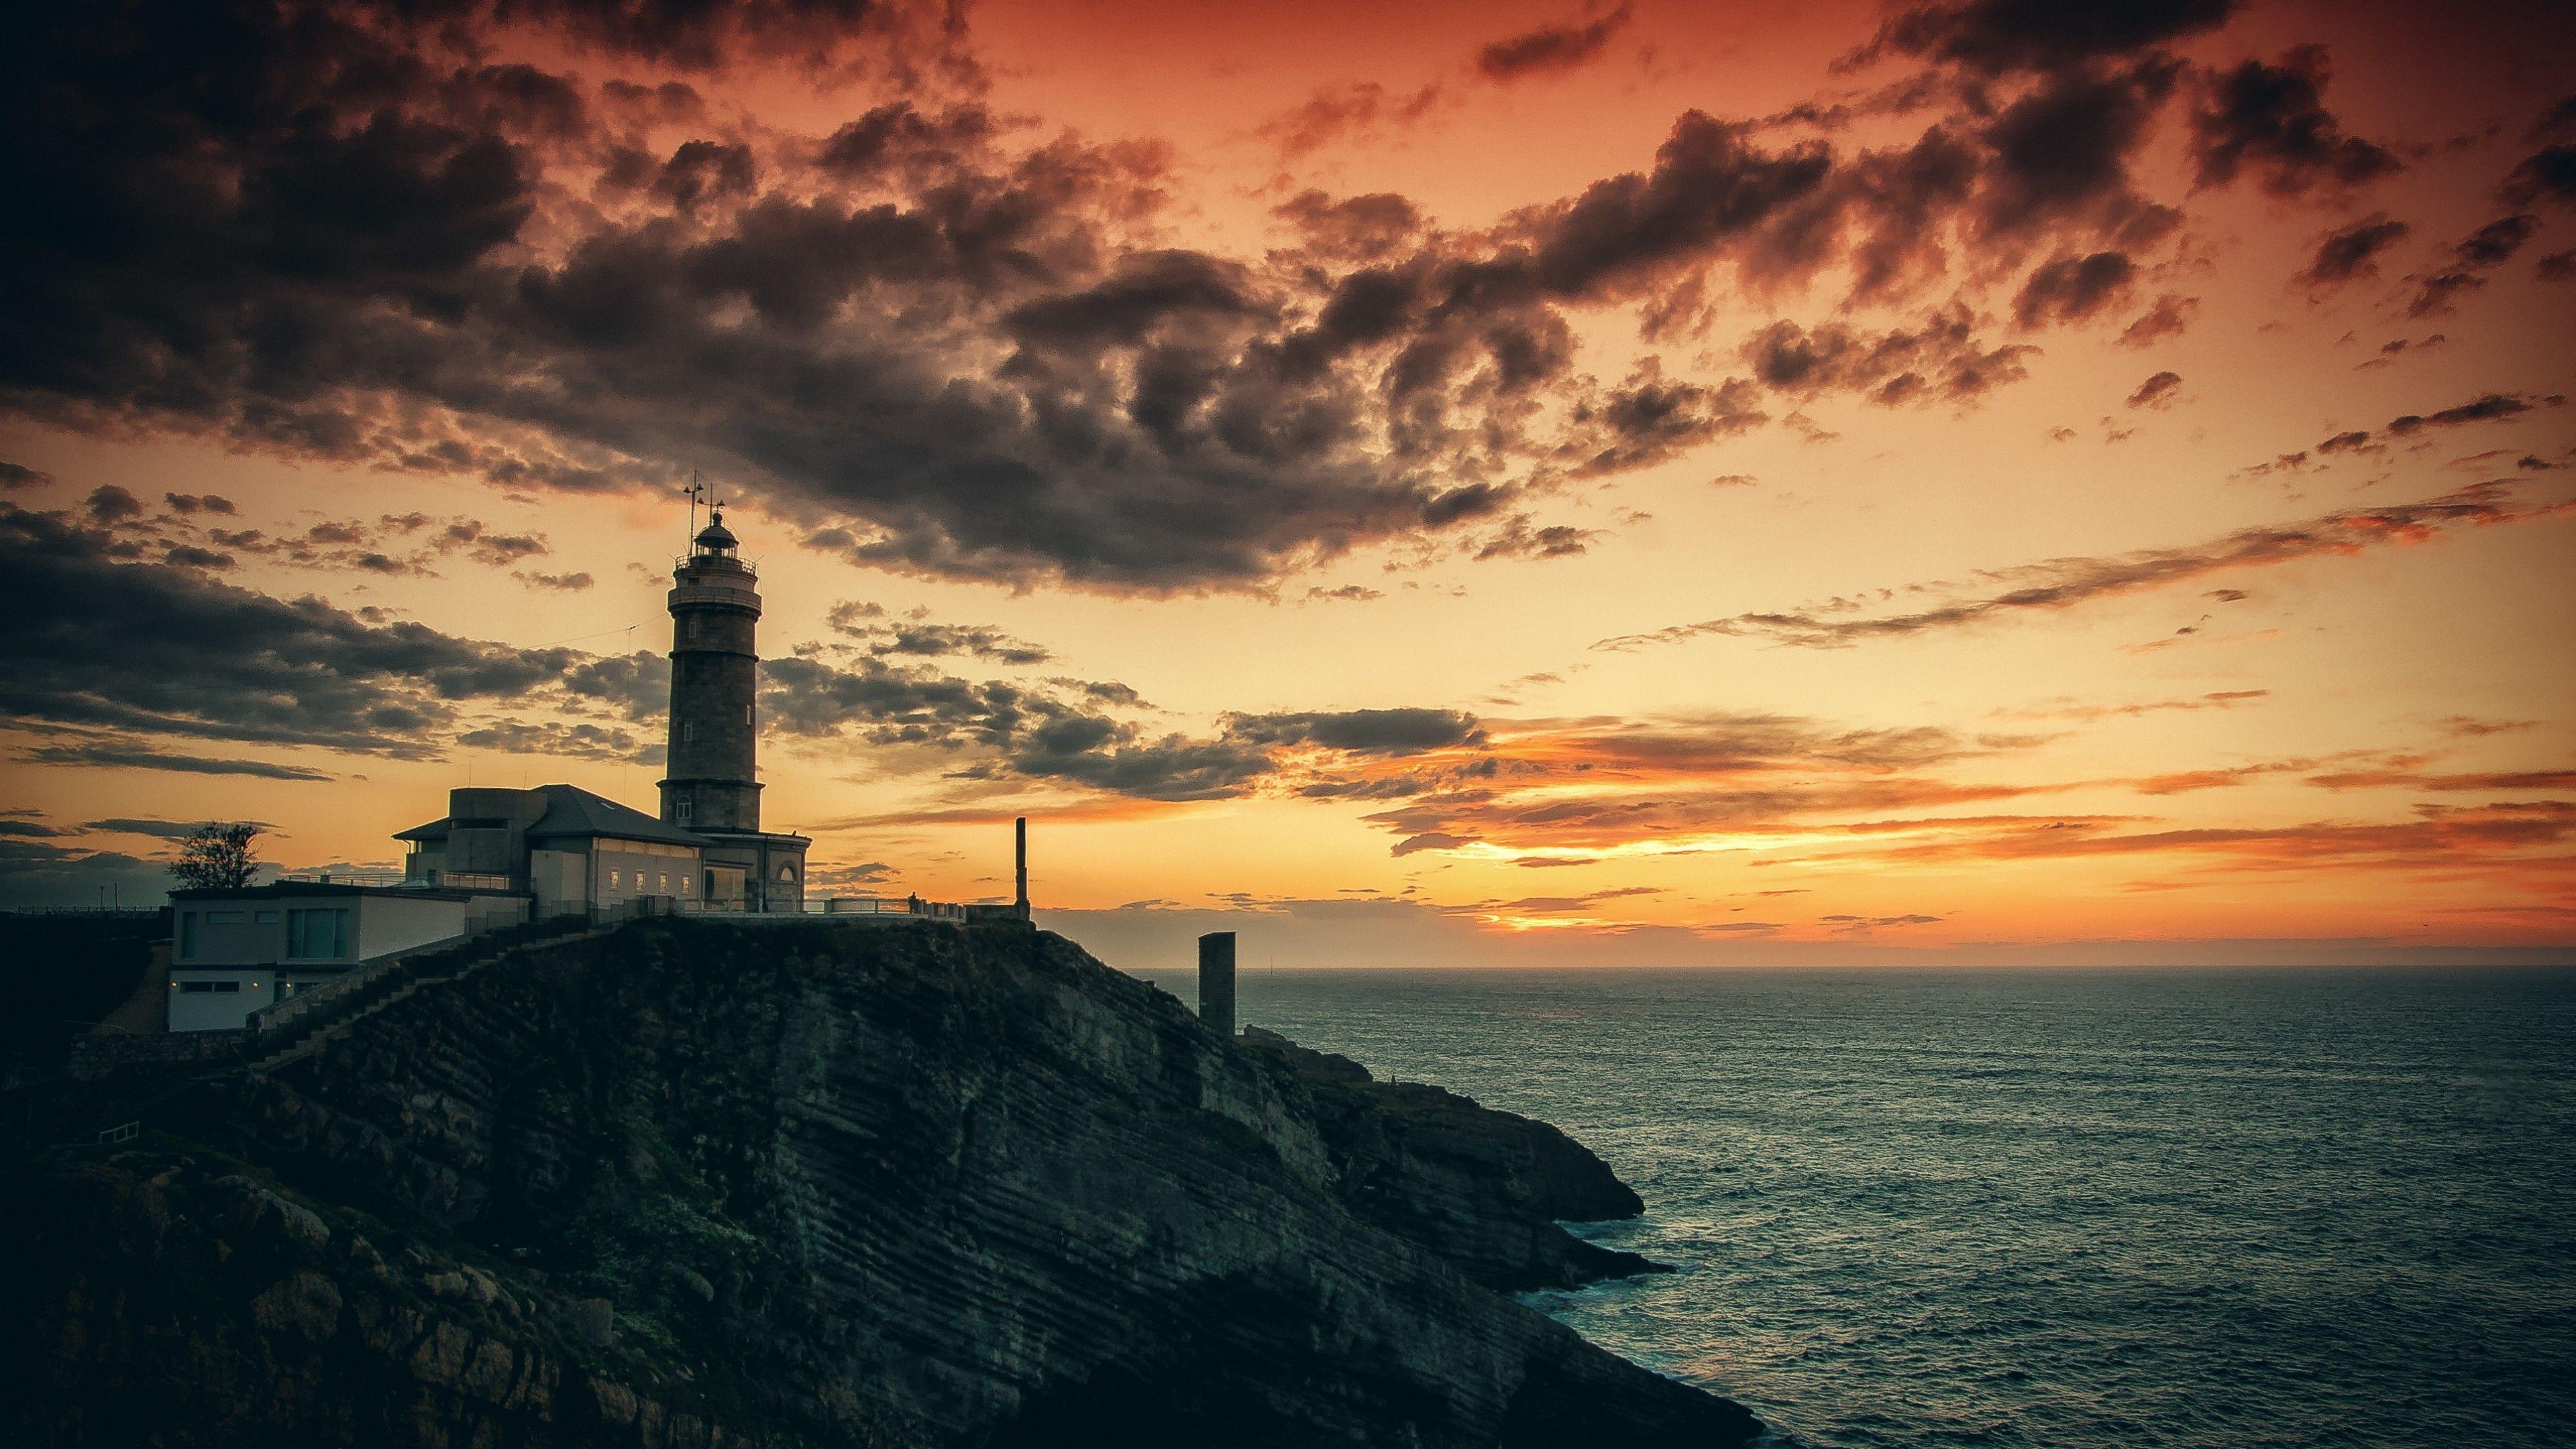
[(233, 952)]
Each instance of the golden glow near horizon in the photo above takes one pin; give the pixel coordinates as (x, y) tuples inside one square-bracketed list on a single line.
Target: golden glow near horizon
[(2206, 603)]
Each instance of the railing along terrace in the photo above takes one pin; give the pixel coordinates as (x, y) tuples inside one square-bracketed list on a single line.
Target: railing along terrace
[(898, 907), (342, 877), (461, 880)]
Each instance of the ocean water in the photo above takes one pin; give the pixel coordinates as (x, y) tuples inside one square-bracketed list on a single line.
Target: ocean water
[(2166, 1207)]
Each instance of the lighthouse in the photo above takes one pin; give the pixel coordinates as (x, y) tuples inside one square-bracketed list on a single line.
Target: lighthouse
[(713, 786)]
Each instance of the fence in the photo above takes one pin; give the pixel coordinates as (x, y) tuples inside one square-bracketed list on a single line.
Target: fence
[(877, 909), (343, 877)]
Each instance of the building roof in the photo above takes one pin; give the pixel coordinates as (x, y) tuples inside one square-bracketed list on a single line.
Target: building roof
[(573, 811)]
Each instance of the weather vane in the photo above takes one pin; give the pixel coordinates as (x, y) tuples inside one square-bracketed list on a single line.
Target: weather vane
[(695, 491)]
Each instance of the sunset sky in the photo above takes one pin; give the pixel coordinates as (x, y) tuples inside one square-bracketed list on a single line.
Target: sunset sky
[(1411, 483)]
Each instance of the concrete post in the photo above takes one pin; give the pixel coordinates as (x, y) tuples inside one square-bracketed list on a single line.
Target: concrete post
[(1216, 981), (1020, 857)]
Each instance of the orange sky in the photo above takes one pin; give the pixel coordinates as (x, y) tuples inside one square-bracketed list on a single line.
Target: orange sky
[(1414, 484)]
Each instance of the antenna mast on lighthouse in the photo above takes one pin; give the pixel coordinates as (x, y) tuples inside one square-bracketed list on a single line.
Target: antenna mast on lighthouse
[(695, 491)]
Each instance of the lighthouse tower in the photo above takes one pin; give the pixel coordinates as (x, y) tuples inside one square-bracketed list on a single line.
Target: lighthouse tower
[(713, 788)]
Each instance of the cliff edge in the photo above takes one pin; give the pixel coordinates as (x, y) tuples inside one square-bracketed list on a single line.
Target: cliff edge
[(681, 1184)]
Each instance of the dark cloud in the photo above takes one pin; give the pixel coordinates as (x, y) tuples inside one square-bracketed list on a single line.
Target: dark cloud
[(635, 687), (392, 544), (897, 137), (578, 740), (2271, 121), (190, 556), (2447, 836), (921, 638), (14, 476), (2073, 289), (108, 755), (1361, 731), (1941, 360), (1710, 190), (2062, 154), (1649, 419), (1519, 538), (1068, 732), (2064, 583), (198, 503), (2548, 174), (701, 173), (1004, 728), (150, 648), (1669, 780), (1551, 48), (2156, 391), (2169, 317), (1336, 113), (1996, 36), (1352, 229), (2484, 250), (2352, 252), (2396, 347), (934, 342), (564, 583), (158, 829), (110, 504), (2490, 408)]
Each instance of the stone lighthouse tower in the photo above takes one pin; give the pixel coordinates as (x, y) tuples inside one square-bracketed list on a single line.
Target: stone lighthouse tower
[(713, 789)]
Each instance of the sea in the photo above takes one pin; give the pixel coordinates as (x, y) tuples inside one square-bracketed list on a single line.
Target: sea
[(2185, 1207)]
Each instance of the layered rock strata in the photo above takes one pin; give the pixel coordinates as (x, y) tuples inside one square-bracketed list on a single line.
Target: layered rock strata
[(700, 1185)]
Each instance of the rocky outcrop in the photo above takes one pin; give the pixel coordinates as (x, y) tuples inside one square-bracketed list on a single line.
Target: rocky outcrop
[(1484, 1189), (692, 1184)]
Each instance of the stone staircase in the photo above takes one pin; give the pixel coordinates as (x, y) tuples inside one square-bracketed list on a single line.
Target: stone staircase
[(328, 1019)]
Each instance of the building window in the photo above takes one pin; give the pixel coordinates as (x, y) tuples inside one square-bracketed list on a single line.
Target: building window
[(264, 918), (201, 987), (187, 934), (683, 810), (787, 873), (317, 935), (684, 882), (662, 883), (223, 918), (617, 880), (689, 733)]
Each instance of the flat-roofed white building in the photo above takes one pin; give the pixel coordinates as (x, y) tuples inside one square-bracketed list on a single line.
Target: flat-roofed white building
[(233, 952)]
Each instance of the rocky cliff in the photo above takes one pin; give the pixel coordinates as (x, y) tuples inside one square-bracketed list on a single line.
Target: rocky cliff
[(685, 1184)]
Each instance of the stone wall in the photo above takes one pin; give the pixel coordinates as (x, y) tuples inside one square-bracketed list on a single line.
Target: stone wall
[(99, 1053)]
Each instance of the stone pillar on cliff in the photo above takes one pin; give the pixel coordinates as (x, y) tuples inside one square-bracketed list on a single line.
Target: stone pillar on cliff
[(1216, 981)]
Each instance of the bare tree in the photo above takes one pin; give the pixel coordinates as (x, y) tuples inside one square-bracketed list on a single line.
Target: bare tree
[(217, 857)]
